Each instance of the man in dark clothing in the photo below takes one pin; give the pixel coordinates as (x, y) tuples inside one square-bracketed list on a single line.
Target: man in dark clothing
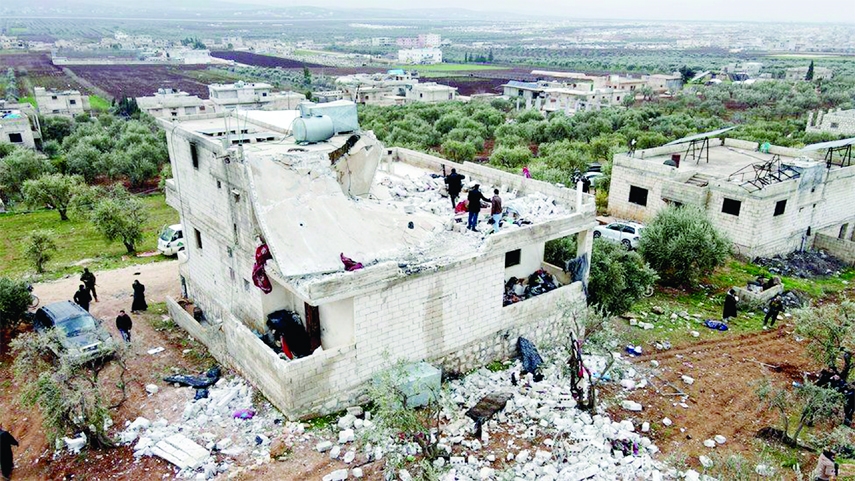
[(496, 209), (6, 462), (475, 198), (124, 325), (88, 280), (729, 305), (82, 297), (139, 303), (455, 185), (775, 308)]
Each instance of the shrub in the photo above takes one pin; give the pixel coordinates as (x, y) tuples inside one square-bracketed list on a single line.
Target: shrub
[(558, 251), (19, 166), (618, 277), (511, 156), (14, 300), (53, 189), (829, 330), (458, 151), (40, 245), (682, 245)]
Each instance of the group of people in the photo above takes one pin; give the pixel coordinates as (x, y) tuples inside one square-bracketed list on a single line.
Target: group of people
[(773, 309), (86, 293), (454, 182)]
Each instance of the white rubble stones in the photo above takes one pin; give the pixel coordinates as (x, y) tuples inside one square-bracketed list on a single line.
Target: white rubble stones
[(357, 472), (75, 445), (667, 421), (181, 451), (630, 405), (323, 446), (709, 443), (705, 461), (688, 380), (335, 452), (151, 388), (337, 475), (719, 439), (349, 456), (346, 436), (764, 470), (691, 475)]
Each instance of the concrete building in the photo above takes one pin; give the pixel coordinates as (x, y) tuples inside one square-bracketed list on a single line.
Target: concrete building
[(16, 129), (431, 92), (799, 73), (171, 103), (840, 122), (767, 199), (239, 178), (420, 56), (66, 102), (568, 96), (189, 56), (251, 95), (382, 41), (661, 83), (395, 87), (429, 40)]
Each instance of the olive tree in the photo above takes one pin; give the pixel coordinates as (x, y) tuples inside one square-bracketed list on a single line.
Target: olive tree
[(14, 300), (682, 244), (40, 245), (55, 190), (618, 277), (120, 217), (20, 166), (829, 330), (511, 156)]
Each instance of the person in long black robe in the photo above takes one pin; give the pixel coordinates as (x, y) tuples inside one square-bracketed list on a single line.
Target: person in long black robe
[(729, 305), (7, 464), (139, 303)]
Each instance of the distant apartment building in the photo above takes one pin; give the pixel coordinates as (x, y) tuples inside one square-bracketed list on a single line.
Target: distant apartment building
[(407, 42), (751, 69), (65, 102), (800, 73), (429, 40), (171, 103), (382, 41), (251, 96), (420, 56), (839, 122), (235, 42)]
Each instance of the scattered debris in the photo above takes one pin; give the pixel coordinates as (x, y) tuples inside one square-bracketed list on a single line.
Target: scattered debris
[(804, 264), (156, 350)]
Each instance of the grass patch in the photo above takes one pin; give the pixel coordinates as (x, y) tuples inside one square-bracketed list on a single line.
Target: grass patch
[(323, 422), (29, 100), (497, 366), (76, 240), (451, 67), (213, 75), (99, 103)]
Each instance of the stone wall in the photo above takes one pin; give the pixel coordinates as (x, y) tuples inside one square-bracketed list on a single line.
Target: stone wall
[(841, 122), (842, 249)]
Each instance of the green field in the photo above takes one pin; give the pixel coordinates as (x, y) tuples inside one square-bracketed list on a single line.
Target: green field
[(98, 103), (452, 67), (809, 56), (29, 100), (77, 240)]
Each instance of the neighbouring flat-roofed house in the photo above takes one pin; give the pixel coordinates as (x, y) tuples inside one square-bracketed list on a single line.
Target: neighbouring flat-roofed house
[(251, 96), (65, 102), (395, 87), (839, 122), (551, 96), (171, 103), (420, 56), (429, 289), (15, 128), (189, 56), (800, 73), (767, 199), (431, 92), (661, 83)]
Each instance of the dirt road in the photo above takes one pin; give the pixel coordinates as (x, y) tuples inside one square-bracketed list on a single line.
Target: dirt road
[(114, 287)]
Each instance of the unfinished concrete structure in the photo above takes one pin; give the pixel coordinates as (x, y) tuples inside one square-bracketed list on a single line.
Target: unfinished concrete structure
[(838, 122), (430, 289), (65, 102), (251, 95), (171, 103), (19, 125), (767, 199), (395, 87)]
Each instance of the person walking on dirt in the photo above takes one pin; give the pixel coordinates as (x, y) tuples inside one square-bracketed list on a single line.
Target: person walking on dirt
[(124, 325), (7, 464), (82, 297), (776, 305), (729, 305), (139, 303), (455, 185), (826, 468), (88, 280)]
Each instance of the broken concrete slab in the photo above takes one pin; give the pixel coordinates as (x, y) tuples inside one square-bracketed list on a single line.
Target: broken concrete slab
[(181, 451)]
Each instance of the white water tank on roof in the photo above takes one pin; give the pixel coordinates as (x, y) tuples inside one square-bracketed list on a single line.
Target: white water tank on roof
[(313, 129)]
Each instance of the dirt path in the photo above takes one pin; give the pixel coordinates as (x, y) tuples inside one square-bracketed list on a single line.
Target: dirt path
[(722, 399)]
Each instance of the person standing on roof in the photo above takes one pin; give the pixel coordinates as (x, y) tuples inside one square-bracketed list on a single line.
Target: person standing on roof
[(496, 209), (475, 198), (82, 297), (455, 185)]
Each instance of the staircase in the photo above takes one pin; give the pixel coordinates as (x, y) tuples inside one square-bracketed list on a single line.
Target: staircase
[(700, 180)]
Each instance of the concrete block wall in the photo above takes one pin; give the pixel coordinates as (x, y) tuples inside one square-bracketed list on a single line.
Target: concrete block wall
[(843, 249)]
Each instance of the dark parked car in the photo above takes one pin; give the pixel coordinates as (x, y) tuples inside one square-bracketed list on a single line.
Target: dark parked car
[(82, 337)]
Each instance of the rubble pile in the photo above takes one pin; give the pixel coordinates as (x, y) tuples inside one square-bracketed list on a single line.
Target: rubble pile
[(803, 264), (213, 435)]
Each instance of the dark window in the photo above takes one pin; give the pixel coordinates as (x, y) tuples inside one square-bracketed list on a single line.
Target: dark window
[(637, 195), (53, 97), (513, 258), (194, 154), (616, 227), (629, 230), (780, 207), (16, 138), (730, 206), (72, 102), (198, 238), (834, 125), (219, 185), (843, 229)]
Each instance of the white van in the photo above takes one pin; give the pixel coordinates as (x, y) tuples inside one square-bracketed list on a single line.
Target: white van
[(171, 240)]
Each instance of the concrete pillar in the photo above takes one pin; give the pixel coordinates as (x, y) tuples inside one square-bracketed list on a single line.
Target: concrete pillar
[(584, 244)]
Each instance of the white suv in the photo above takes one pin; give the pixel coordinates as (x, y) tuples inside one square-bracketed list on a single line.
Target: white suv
[(627, 233)]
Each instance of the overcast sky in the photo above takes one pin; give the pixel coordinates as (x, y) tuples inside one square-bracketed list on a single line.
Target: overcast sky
[(740, 10)]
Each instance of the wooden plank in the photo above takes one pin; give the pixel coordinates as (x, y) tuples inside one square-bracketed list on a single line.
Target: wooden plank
[(313, 326)]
